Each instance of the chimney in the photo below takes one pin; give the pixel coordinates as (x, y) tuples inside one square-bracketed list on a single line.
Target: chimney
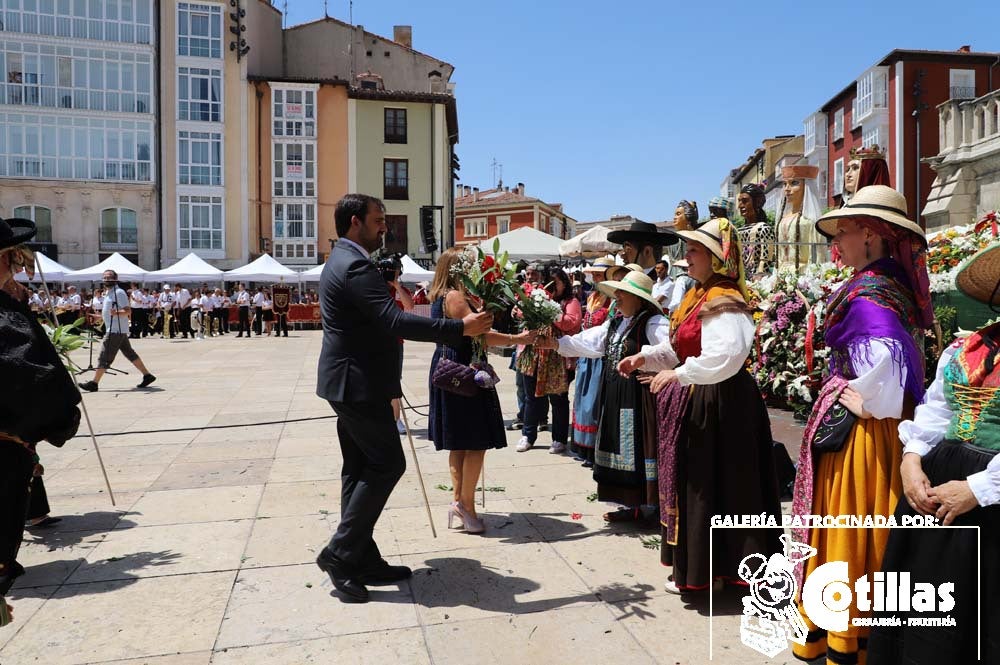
[(475, 193), (520, 188), (965, 48), (403, 34), (468, 190), (458, 189), (506, 190)]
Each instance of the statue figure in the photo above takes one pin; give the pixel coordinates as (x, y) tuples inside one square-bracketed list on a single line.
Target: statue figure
[(867, 166), (797, 231), (686, 216), (756, 236)]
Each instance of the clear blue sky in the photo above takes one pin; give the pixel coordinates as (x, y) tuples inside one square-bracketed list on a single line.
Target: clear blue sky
[(627, 107)]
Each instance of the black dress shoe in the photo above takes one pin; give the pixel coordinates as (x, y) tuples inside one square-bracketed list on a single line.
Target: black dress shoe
[(343, 576), (383, 573)]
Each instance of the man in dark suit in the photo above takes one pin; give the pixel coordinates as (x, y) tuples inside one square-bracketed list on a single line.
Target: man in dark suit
[(359, 376)]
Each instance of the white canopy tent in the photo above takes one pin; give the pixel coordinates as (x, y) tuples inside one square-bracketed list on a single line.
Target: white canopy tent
[(127, 271), (263, 269), (413, 273), (192, 268), (312, 275), (592, 242), (54, 272), (525, 243)]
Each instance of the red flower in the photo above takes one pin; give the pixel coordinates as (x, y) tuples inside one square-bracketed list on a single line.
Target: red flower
[(489, 276)]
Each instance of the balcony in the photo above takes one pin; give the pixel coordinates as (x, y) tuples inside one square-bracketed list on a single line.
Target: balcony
[(965, 124), (962, 92)]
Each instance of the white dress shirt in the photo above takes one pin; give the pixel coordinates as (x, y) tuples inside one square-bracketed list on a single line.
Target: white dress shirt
[(726, 338), (243, 299), (662, 290), (929, 426), (590, 343), (182, 298), (258, 299)]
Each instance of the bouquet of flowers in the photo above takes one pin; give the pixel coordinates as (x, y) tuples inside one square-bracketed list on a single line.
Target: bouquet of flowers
[(536, 311), (947, 249), (789, 357)]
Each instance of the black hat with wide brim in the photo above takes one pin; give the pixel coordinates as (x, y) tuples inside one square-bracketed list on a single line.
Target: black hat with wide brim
[(15, 231), (643, 232)]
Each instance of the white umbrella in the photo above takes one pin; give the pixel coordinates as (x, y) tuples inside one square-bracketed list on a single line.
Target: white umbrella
[(590, 242), (127, 271), (261, 270), (54, 272), (192, 268)]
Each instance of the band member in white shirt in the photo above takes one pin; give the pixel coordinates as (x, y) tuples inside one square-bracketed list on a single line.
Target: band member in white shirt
[(258, 306), (96, 307), (182, 309), (221, 303), (138, 305), (207, 314), (166, 304), (243, 302), (267, 309)]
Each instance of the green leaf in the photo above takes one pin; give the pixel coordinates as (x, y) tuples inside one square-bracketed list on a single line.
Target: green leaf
[(496, 245)]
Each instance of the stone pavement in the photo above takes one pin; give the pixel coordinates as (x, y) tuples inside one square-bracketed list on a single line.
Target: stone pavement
[(208, 555)]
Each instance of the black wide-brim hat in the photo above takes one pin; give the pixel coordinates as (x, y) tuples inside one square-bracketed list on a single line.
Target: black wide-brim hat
[(15, 231), (643, 232)]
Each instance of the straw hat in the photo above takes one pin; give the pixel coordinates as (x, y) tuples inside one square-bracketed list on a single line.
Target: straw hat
[(622, 270), (709, 235), (877, 201), (978, 275), (637, 283), (681, 263), (601, 265)]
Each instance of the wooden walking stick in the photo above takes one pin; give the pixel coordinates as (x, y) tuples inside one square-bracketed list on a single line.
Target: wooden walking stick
[(83, 403), (416, 464), (483, 488)]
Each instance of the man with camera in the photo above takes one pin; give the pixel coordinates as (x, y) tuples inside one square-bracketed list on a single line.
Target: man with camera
[(115, 312), (359, 375)]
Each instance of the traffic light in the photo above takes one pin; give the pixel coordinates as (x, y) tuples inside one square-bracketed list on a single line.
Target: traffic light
[(427, 229)]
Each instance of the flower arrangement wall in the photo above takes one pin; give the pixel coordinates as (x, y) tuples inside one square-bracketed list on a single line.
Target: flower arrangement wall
[(789, 357), (946, 249)]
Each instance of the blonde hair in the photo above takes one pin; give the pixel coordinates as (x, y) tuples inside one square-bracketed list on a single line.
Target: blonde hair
[(444, 281)]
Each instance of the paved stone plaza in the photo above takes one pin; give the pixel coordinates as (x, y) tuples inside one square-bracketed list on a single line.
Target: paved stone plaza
[(208, 555)]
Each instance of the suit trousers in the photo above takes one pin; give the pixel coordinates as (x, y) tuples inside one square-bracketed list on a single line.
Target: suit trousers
[(280, 324), (244, 320), (373, 464), (258, 320), (16, 467)]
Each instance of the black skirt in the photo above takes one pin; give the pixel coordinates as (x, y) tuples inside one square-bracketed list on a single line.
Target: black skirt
[(724, 467), (942, 555)]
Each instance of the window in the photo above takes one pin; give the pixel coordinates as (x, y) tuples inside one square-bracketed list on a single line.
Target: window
[(814, 129), (79, 78), (395, 125), (199, 224), (963, 83), (294, 220), (838, 177), (872, 137), (199, 94), (75, 148), (872, 93), (838, 125), (396, 234), (294, 112), (102, 20), (503, 224), (42, 217), (199, 158), (476, 228), (294, 169), (118, 230), (396, 180), (199, 30)]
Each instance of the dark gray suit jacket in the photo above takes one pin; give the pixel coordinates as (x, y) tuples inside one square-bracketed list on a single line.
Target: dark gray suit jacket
[(361, 329)]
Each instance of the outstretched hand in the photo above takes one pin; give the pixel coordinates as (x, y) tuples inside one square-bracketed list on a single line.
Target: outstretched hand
[(545, 341), (630, 364), (475, 325)]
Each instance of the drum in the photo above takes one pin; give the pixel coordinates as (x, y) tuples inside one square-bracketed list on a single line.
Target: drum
[(196, 321)]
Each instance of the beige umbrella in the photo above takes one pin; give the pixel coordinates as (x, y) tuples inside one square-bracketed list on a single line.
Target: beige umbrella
[(592, 242)]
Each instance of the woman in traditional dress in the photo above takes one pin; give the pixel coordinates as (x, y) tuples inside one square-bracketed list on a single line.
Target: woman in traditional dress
[(587, 399), (876, 371), (625, 457), (465, 426), (714, 433), (951, 471)]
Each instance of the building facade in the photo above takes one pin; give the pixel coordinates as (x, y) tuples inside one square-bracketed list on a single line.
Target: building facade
[(892, 105), (482, 215), (78, 114)]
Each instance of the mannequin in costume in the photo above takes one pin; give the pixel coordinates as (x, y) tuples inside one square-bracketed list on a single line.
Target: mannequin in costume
[(867, 166), (686, 216), (796, 231), (756, 236)]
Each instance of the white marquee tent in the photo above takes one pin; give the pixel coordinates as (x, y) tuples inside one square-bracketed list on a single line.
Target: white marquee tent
[(127, 271), (525, 243), (592, 242), (413, 273), (54, 272), (261, 270), (192, 268)]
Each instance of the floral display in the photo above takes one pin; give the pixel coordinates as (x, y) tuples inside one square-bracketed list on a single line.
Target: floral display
[(789, 357), (536, 309), (947, 249)]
